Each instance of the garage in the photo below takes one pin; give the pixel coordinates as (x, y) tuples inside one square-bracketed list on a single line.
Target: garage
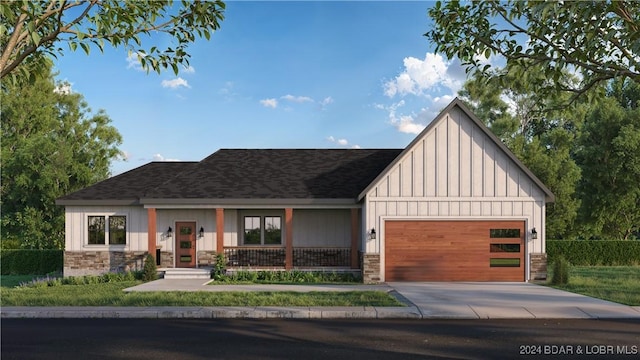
[(454, 250)]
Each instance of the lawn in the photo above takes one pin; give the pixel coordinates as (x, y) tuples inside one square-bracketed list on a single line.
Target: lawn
[(619, 284), (111, 294)]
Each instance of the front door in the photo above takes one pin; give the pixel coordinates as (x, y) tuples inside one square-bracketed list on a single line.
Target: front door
[(185, 244)]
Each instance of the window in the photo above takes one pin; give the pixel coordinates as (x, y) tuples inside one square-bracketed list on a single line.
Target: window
[(96, 230), (117, 230), (98, 233), (506, 262), (262, 230), (272, 230), (505, 248), (504, 233)]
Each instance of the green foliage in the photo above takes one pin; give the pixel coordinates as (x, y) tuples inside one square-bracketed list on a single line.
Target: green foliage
[(220, 267), (594, 252), (288, 277), (542, 138), (25, 262), (150, 270), (561, 269), (609, 154), (600, 39), (29, 29), (52, 281), (51, 145)]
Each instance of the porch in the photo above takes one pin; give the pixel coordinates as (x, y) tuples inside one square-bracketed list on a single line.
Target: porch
[(276, 257)]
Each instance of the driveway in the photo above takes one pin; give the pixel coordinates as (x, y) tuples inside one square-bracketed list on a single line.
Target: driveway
[(467, 300)]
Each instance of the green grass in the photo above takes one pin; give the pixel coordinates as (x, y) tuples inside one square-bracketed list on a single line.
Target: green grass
[(111, 294), (619, 284), (9, 281)]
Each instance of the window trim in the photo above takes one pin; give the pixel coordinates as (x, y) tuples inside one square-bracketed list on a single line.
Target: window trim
[(106, 243), (262, 216)]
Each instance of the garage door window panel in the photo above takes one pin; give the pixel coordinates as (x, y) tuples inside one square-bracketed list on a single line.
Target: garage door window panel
[(504, 262), (502, 248), (504, 233)]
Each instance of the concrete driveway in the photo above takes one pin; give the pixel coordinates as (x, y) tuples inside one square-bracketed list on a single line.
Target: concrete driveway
[(468, 300)]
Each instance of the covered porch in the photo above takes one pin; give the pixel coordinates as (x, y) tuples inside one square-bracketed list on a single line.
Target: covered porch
[(256, 238)]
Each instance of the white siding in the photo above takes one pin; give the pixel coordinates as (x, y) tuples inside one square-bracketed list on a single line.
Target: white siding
[(318, 228), (455, 171), (76, 232)]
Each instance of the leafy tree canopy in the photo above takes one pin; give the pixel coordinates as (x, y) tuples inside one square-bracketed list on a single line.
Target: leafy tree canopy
[(600, 40), (608, 152), (29, 29), (543, 140), (51, 145)]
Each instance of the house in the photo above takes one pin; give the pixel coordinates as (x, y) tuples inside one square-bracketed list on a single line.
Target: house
[(454, 205)]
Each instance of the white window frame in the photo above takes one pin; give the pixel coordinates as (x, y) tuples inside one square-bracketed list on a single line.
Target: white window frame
[(262, 216), (106, 230)]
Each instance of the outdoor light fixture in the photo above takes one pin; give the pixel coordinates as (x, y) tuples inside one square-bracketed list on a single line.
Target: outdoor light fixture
[(372, 234), (534, 234), (201, 231), (169, 232)]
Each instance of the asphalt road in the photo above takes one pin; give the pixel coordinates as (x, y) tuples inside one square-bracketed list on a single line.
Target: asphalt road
[(318, 339)]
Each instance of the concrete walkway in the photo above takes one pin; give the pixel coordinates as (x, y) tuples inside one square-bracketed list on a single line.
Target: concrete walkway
[(424, 301)]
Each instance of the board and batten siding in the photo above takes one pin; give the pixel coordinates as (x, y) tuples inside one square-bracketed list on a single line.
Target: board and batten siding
[(455, 171), (322, 228), (76, 227), (205, 218)]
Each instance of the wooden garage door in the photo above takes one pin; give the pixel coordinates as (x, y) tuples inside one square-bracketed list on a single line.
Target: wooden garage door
[(454, 250)]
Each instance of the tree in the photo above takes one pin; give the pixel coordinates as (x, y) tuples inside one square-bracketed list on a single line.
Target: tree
[(600, 40), (609, 154), (542, 139), (51, 145), (29, 29)]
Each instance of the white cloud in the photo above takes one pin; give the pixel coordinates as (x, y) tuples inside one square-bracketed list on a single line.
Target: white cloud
[(272, 103), (175, 83), (63, 88), (326, 101), (297, 99), (125, 155), (188, 69), (133, 62), (159, 157), (342, 142), (419, 76)]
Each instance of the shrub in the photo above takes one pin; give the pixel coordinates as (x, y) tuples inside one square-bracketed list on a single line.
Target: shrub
[(150, 271), (561, 269), (220, 267), (293, 276), (30, 262), (595, 252)]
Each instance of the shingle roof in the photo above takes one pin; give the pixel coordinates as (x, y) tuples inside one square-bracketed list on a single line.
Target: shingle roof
[(131, 185), (279, 174), (245, 174)]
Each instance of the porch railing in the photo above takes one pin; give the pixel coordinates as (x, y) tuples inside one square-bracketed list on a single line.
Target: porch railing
[(275, 257)]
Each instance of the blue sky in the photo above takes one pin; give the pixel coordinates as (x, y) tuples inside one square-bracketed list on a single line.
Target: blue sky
[(277, 75)]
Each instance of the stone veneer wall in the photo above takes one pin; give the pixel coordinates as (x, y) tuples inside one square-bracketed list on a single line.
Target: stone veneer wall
[(166, 259), (538, 268), (370, 268), (78, 263), (206, 258)]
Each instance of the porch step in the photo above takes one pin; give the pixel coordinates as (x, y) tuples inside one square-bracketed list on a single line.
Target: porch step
[(179, 273)]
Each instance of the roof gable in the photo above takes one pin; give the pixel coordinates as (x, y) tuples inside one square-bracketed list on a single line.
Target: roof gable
[(445, 169)]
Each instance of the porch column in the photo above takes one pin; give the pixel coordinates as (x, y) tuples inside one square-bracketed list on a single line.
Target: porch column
[(355, 230), (288, 238), (151, 231), (220, 231)]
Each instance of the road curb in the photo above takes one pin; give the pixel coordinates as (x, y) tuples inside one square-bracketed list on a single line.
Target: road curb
[(211, 313)]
